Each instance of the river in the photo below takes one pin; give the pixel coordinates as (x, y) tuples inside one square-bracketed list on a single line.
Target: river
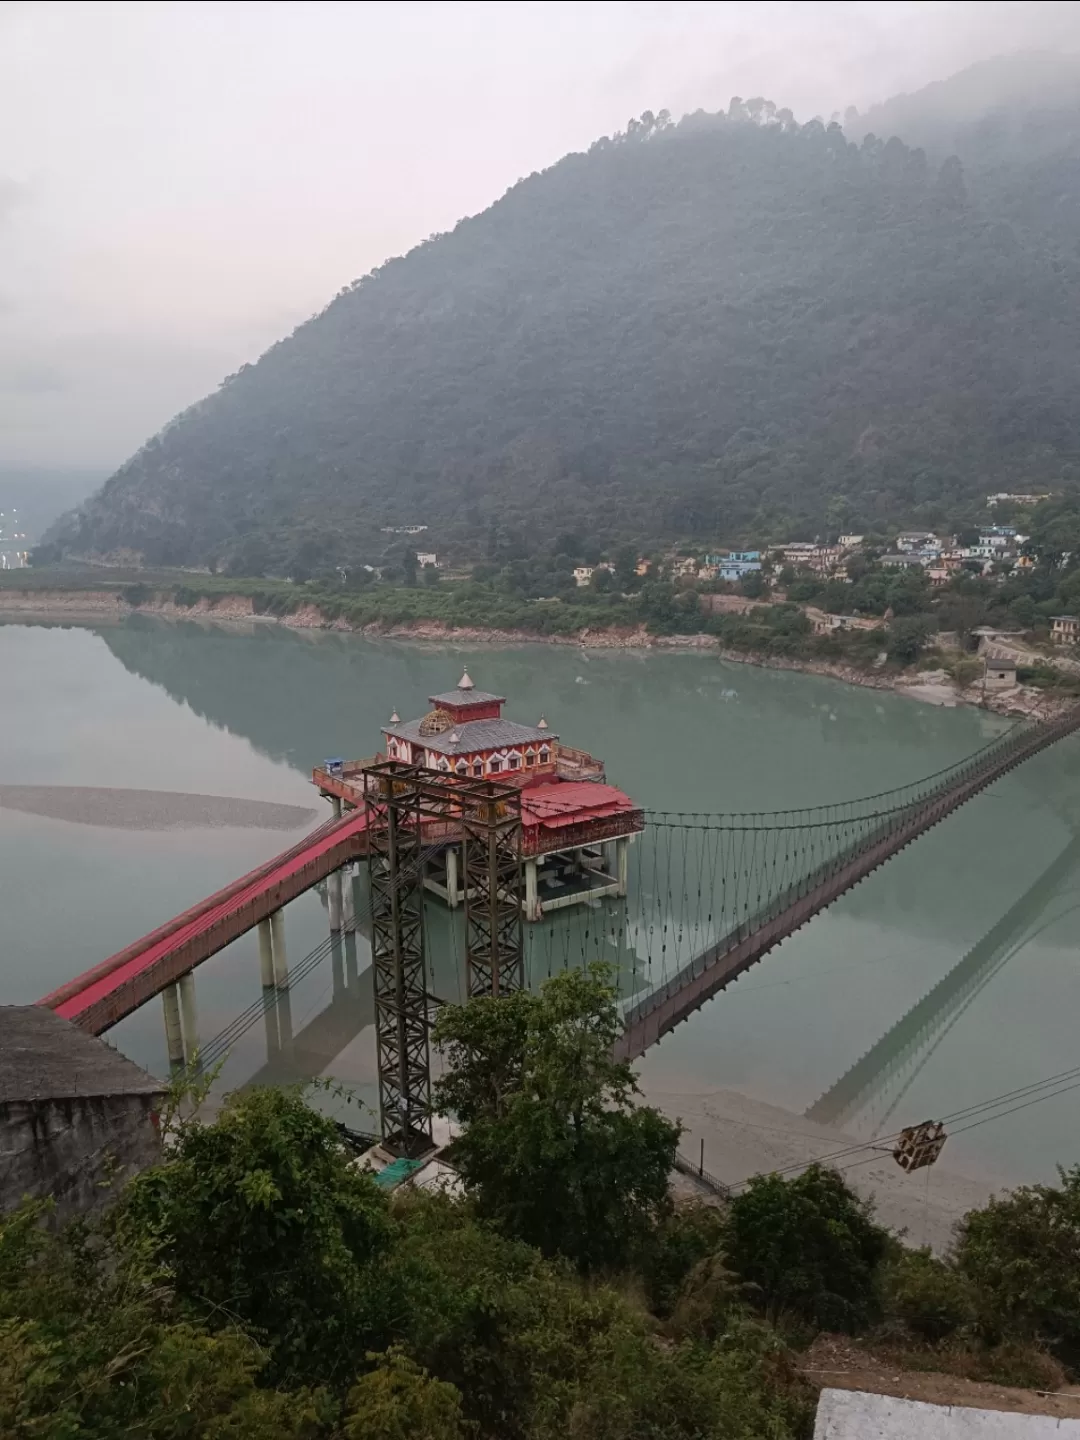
[(245, 712)]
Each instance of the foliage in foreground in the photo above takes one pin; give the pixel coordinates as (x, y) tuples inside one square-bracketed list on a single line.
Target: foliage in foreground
[(554, 1150), (256, 1286)]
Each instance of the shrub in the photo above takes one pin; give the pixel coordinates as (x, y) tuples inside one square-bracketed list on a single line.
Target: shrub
[(1019, 1251), (929, 1297), (809, 1245), (680, 1244)]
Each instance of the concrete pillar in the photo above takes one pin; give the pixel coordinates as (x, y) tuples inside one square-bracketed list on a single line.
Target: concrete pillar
[(266, 954), (333, 890), (532, 901), (281, 961), (283, 1005), (348, 899), (335, 804), (452, 877), (622, 864), (607, 858), (189, 1015), (174, 1035)]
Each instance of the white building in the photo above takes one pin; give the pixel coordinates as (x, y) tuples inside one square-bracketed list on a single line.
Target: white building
[(427, 557)]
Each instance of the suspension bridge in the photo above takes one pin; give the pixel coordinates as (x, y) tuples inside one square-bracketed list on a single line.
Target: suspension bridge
[(708, 896)]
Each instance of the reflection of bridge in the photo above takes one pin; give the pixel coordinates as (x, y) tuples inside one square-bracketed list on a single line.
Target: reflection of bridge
[(905, 1048), (712, 894)]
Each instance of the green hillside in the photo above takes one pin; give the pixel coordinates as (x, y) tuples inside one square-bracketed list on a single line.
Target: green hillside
[(735, 327)]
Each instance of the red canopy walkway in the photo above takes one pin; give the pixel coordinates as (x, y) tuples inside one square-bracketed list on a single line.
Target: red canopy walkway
[(118, 986)]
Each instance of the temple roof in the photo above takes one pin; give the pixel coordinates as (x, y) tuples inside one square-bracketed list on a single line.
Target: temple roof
[(465, 697), (471, 735)]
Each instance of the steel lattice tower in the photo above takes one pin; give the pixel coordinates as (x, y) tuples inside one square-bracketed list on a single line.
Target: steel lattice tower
[(414, 813)]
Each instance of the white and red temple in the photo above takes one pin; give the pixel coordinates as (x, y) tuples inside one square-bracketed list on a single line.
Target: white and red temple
[(576, 828)]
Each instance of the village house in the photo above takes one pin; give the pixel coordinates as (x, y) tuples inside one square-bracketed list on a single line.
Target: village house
[(824, 558), (999, 671), (902, 561), (850, 542), (1064, 629), (809, 555), (427, 557), (734, 564), (912, 540), (583, 574), (795, 553)]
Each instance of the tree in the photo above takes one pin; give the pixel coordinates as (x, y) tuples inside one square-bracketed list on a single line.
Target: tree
[(259, 1217), (907, 636), (554, 1150), (1020, 1252), (809, 1245)]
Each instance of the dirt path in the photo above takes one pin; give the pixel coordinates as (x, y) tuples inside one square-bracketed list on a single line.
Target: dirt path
[(835, 1362)]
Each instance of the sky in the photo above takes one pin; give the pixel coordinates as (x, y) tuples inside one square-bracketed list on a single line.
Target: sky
[(182, 183)]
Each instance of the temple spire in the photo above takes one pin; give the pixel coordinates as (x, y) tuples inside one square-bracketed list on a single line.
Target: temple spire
[(465, 683)]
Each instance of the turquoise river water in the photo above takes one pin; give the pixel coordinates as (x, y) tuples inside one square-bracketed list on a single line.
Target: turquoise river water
[(150, 705)]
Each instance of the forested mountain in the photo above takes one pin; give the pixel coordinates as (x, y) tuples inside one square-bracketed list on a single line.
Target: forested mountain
[(734, 327)]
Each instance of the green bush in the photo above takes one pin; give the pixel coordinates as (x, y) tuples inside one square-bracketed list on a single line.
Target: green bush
[(929, 1297), (1020, 1253), (682, 1241), (808, 1245)]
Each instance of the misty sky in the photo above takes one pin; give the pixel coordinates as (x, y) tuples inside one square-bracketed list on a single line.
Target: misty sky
[(181, 183)]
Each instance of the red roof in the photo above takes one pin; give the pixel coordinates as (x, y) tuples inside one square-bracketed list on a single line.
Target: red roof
[(570, 802)]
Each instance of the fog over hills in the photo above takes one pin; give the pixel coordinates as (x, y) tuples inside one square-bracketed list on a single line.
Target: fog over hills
[(735, 325)]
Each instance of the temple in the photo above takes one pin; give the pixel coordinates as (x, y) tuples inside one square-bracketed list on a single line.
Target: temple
[(576, 829)]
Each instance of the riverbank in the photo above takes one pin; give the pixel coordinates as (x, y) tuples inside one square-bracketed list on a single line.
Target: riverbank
[(744, 1137), (934, 687)]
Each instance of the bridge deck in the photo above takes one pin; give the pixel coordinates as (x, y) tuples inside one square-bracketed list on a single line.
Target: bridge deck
[(118, 986)]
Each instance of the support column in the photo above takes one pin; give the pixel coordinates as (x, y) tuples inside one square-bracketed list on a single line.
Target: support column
[(335, 804), (333, 891), (532, 899), (452, 897), (266, 954), (622, 864), (174, 1035), (281, 962), (189, 1015), (348, 899)]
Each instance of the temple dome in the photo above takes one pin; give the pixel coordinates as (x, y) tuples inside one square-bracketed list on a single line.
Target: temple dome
[(465, 683), (435, 722)]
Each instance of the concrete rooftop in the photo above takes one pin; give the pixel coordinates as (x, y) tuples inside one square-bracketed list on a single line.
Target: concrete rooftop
[(44, 1057)]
